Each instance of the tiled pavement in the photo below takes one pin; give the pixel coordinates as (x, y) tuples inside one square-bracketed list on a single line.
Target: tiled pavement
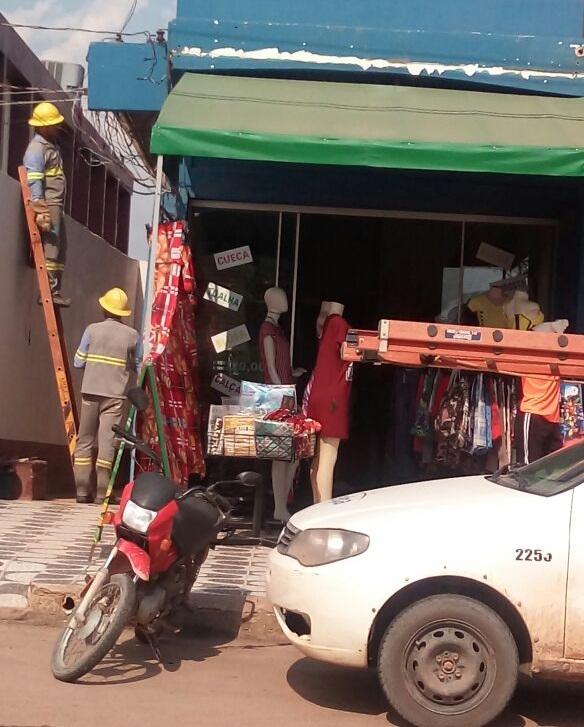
[(49, 542)]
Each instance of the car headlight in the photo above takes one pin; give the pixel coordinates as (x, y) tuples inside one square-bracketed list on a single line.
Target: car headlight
[(319, 547), (137, 518)]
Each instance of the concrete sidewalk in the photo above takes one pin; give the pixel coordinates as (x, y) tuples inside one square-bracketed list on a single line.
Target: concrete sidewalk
[(46, 545)]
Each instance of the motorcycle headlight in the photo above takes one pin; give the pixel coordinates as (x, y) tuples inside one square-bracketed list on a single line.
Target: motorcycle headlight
[(319, 547), (137, 518)]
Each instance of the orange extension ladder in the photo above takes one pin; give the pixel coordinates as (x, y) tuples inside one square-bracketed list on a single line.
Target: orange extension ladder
[(53, 323), (492, 350)]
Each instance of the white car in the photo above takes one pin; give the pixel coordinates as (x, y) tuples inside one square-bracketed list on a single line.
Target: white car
[(448, 588)]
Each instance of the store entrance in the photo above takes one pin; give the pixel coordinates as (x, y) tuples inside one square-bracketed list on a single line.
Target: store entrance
[(408, 269), (379, 265)]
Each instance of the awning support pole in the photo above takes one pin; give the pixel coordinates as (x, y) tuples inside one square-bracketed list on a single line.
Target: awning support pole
[(149, 289), (294, 287), (461, 271), (279, 249)]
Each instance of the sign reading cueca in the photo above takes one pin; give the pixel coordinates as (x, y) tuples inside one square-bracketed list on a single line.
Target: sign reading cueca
[(225, 385), (223, 296), (227, 340), (233, 258)]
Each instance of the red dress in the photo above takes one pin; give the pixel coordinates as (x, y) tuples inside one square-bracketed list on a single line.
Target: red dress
[(328, 402), (282, 363)]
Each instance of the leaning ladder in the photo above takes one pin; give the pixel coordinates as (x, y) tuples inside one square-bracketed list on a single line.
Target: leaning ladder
[(53, 323)]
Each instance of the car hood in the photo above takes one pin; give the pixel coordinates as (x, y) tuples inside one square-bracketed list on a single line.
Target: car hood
[(414, 499)]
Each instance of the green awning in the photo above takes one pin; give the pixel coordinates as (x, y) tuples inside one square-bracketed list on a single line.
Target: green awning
[(347, 124)]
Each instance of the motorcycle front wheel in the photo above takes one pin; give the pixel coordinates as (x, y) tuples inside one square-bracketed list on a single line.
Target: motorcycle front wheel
[(78, 650)]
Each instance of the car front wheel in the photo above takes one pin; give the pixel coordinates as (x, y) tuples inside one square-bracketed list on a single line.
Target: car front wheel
[(448, 661)]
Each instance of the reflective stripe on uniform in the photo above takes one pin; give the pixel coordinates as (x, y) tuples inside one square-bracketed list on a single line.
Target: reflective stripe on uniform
[(54, 172), (104, 464), (55, 267), (83, 461), (108, 360), (34, 176)]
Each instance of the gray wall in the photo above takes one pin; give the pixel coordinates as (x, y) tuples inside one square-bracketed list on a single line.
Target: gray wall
[(29, 406)]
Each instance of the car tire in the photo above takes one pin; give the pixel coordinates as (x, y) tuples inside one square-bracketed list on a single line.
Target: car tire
[(448, 661)]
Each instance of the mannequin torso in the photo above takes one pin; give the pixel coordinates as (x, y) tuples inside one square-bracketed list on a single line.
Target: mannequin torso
[(274, 352), (331, 386)]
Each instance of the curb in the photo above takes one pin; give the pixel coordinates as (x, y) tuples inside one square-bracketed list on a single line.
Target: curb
[(223, 610)]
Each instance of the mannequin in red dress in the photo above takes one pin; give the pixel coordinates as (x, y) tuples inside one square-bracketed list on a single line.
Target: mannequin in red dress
[(328, 401), (275, 356)]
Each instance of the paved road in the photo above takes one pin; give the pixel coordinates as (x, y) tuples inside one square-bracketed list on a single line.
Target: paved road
[(215, 684)]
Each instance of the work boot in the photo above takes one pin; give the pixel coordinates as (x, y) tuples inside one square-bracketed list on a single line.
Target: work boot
[(60, 301), (84, 498)]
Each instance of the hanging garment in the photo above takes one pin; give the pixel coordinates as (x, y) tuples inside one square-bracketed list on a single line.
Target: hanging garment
[(480, 438), (174, 356), (282, 363), (331, 386)]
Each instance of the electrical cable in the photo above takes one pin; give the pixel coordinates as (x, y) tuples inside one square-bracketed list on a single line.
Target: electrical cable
[(129, 16), (93, 31)]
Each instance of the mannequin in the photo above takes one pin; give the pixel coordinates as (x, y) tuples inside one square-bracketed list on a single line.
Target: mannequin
[(328, 400), (525, 314), (275, 355), (489, 307)]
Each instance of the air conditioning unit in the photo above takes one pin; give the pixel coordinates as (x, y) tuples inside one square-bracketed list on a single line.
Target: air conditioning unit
[(68, 75)]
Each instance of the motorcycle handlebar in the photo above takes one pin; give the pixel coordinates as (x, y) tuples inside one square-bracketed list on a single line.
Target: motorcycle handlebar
[(135, 442)]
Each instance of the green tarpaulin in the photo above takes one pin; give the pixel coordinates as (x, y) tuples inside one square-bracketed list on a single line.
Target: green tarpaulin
[(310, 122)]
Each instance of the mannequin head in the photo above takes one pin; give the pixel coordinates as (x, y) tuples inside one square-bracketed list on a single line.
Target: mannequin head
[(496, 293), (276, 300)]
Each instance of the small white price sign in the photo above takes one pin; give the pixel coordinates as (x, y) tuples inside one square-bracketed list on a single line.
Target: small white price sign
[(234, 257), (225, 384), (223, 296), (227, 340)]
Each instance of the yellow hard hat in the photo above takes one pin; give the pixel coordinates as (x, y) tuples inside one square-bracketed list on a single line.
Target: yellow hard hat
[(115, 301), (45, 114)]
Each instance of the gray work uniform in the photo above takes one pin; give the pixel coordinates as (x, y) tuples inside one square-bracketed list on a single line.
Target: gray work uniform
[(107, 352), (46, 179)]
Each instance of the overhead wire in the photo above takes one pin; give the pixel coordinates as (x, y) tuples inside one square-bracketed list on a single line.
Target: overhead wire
[(120, 142), (130, 15), (65, 29)]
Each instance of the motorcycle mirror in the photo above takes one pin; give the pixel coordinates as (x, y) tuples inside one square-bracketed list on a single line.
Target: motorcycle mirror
[(249, 479), (138, 398)]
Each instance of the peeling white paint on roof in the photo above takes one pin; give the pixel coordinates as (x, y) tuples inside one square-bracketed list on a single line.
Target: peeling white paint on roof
[(366, 64)]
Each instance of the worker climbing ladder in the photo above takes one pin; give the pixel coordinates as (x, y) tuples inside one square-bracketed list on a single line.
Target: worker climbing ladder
[(53, 323)]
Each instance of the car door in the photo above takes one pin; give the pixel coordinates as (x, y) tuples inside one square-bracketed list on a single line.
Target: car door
[(574, 642)]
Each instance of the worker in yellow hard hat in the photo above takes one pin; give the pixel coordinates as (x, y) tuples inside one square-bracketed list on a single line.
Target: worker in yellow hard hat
[(46, 180), (109, 353)]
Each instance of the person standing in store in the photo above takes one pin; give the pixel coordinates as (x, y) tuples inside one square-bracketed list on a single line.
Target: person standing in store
[(537, 425), (46, 180), (109, 354)]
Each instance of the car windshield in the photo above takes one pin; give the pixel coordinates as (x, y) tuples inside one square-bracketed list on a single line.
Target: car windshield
[(550, 475)]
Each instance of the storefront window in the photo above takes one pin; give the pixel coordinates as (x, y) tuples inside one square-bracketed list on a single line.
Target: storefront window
[(378, 267)]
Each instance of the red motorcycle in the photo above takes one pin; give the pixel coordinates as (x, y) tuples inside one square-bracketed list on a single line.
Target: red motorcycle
[(163, 538)]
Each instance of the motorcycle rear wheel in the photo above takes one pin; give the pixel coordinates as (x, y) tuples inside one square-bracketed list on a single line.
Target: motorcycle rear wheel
[(109, 612)]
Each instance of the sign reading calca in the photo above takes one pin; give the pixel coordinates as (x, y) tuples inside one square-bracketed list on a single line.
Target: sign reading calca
[(233, 258), (223, 296), (225, 384)]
